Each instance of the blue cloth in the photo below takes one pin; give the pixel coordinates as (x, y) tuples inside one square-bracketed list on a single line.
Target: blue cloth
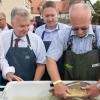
[(80, 45), (47, 36), (50, 34)]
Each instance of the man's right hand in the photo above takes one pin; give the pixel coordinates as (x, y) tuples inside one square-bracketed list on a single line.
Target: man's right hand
[(61, 90), (11, 77)]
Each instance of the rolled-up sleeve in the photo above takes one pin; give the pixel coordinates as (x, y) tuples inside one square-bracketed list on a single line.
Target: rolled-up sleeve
[(4, 66), (58, 45)]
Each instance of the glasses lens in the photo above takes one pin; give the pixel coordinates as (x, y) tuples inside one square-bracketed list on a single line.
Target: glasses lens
[(84, 28), (81, 28), (75, 28)]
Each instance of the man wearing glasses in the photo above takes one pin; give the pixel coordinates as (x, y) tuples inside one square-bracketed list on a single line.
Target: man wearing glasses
[(82, 54)]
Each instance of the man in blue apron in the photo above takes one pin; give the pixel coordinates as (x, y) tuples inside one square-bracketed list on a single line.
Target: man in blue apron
[(23, 49), (82, 55), (49, 30)]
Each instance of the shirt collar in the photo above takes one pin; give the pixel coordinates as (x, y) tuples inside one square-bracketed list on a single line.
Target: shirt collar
[(22, 38), (89, 32), (55, 29)]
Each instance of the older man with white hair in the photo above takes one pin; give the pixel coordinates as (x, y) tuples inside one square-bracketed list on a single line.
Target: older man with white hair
[(81, 52)]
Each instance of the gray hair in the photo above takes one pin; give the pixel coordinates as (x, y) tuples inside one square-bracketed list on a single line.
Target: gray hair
[(79, 6), (20, 11), (2, 14)]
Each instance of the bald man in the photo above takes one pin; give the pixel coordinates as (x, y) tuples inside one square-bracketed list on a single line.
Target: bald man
[(81, 48)]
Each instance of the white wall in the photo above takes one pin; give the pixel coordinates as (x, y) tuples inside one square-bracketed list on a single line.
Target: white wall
[(7, 5)]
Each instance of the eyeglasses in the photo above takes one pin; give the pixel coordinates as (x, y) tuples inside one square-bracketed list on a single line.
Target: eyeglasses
[(81, 28)]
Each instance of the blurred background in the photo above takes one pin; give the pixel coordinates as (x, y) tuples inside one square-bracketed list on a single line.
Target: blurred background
[(34, 7)]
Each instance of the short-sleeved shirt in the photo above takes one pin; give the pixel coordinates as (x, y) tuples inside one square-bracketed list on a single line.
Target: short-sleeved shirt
[(36, 44), (49, 34), (79, 45)]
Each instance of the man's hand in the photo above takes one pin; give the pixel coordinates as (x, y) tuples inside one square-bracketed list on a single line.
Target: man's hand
[(61, 90), (92, 91), (11, 77)]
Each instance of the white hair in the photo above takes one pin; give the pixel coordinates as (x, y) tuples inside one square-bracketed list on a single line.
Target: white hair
[(20, 11), (79, 6)]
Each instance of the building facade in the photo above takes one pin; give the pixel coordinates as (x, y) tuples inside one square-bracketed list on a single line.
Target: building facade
[(62, 5), (7, 5)]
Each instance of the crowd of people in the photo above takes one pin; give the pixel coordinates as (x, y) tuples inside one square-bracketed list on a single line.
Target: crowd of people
[(53, 51)]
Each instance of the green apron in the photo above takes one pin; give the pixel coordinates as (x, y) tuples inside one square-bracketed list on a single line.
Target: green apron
[(82, 66)]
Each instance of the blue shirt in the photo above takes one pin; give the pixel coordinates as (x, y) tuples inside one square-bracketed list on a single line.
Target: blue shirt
[(79, 45), (50, 34)]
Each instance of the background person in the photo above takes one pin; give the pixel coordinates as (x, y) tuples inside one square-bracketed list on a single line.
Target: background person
[(4, 26)]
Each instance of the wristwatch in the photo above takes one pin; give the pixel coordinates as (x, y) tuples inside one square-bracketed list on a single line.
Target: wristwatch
[(98, 86)]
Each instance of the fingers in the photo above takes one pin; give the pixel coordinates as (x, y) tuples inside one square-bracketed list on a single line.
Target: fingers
[(67, 93), (61, 90), (9, 79), (14, 78), (87, 88), (67, 90)]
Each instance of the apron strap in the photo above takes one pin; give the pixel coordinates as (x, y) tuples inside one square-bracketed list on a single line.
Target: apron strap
[(11, 40), (44, 32), (94, 42), (69, 43), (43, 35), (28, 40)]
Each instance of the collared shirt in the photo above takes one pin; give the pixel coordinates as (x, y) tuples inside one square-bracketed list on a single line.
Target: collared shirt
[(4, 66), (36, 44), (50, 34), (5, 29), (79, 45)]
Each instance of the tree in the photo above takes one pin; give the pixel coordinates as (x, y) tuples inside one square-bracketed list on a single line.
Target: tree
[(96, 15), (97, 7)]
